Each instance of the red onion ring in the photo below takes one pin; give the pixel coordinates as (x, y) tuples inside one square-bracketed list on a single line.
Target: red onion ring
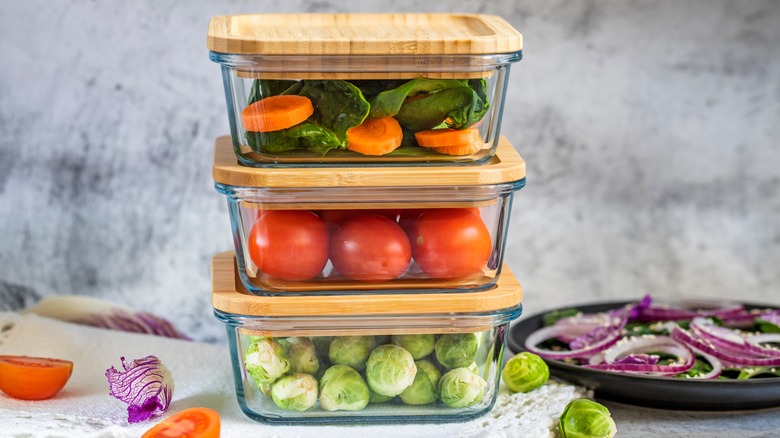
[(555, 331), (706, 346), (641, 344), (730, 340)]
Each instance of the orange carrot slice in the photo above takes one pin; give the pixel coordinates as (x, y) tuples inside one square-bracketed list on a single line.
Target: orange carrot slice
[(375, 136), (436, 138), (461, 149), (276, 113)]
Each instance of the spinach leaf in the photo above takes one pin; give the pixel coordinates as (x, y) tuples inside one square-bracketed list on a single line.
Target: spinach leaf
[(372, 87), (338, 105), (315, 138), (432, 110), (262, 88), (271, 142), (388, 103), (751, 372), (551, 318)]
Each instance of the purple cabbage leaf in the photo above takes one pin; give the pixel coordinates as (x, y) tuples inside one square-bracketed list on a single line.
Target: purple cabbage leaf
[(146, 386)]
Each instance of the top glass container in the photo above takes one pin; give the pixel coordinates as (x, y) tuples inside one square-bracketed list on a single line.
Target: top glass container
[(364, 89)]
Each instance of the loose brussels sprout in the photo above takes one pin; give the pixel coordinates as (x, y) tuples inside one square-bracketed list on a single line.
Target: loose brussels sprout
[(342, 388), (583, 418), (457, 350), (265, 360), (525, 372), (424, 387), (390, 369), (375, 398), (351, 350), (418, 345), (295, 392), (302, 355), (461, 388)]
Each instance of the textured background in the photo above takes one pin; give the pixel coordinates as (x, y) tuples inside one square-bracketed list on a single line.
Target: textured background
[(651, 131)]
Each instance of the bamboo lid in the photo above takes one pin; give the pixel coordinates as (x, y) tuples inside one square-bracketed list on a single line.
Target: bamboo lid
[(362, 34), (230, 296), (505, 167)]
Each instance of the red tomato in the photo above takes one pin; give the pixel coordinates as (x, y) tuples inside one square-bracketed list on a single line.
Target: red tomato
[(450, 242), (289, 244), (33, 378), (370, 247), (189, 423)]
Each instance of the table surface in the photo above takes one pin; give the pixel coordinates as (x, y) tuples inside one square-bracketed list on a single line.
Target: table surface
[(635, 421)]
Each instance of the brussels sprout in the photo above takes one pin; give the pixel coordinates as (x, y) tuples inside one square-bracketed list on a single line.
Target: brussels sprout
[(390, 369), (265, 360), (456, 350), (375, 398), (351, 350), (525, 372), (460, 388), (296, 392), (419, 345), (342, 388), (583, 418), (424, 387), (473, 368), (302, 355)]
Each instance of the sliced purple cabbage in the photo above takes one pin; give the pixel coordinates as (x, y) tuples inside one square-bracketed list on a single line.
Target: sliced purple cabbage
[(146, 386), (135, 322), (639, 359)]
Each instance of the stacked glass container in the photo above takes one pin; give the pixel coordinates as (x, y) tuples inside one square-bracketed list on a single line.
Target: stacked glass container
[(369, 192)]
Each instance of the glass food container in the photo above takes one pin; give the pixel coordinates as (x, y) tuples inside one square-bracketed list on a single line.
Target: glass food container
[(364, 89), (364, 359), (369, 230)]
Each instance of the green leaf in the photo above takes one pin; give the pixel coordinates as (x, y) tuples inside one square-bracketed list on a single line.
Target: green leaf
[(388, 103), (262, 88), (315, 138), (338, 105), (551, 318), (750, 372), (699, 368), (767, 326), (271, 142), (432, 110)]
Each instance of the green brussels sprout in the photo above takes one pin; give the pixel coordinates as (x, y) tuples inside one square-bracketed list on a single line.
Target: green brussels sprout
[(461, 388), (390, 369), (375, 398), (583, 418), (418, 345), (295, 392), (265, 360), (351, 350), (302, 355), (424, 387), (456, 350), (342, 388), (473, 368), (525, 372)]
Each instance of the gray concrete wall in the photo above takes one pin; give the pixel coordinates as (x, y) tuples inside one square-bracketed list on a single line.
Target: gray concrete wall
[(651, 131)]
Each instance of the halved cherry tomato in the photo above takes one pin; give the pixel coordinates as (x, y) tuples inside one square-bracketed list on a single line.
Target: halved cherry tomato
[(450, 242), (33, 378), (370, 247), (289, 244), (189, 423)]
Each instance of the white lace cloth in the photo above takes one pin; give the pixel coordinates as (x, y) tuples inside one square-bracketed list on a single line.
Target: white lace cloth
[(203, 377)]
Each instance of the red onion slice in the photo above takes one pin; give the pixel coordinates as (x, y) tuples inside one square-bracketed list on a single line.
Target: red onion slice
[(729, 340), (555, 331), (643, 344), (706, 346)]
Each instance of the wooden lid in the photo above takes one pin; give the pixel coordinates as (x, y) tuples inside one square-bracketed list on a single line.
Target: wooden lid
[(230, 296), (505, 167), (362, 34)]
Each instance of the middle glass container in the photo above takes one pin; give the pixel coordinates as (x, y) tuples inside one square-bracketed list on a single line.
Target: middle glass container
[(369, 230)]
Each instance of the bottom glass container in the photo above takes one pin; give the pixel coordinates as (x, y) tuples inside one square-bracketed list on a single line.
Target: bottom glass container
[(364, 359)]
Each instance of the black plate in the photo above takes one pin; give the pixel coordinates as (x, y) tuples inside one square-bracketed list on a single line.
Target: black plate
[(656, 392)]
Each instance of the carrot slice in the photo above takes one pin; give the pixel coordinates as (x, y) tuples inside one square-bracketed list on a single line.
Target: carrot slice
[(461, 149), (189, 423), (436, 138), (276, 113), (375, 136)]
